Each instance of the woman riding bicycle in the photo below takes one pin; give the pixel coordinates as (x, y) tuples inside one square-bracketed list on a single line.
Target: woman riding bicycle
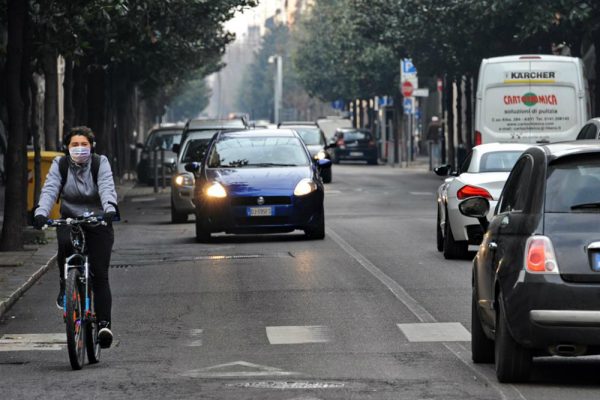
[(85, 184)]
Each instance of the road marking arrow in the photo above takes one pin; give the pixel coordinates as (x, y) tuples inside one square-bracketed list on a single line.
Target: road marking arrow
[(237, 369)]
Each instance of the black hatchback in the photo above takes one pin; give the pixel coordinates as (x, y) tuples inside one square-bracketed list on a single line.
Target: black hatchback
[(536, 276), (354, 145)]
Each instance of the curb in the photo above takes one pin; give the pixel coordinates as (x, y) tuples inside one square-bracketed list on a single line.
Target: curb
[(8, 303)]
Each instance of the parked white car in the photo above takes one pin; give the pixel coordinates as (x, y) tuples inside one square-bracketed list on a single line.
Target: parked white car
[(483, 173)]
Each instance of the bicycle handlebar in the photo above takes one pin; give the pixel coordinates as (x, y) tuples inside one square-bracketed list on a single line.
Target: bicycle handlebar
[(89, 220)]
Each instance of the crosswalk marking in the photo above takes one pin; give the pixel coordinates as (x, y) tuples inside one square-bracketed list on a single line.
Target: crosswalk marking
[(435, 332), (298, 334)]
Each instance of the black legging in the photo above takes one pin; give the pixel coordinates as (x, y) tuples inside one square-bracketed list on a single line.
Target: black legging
[(99, 241)]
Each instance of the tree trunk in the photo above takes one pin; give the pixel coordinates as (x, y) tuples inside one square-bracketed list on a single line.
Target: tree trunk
[(459, 111), (68, 84), (96, 102), (15, 202), (50, 67), (35, 136), (469, 111), (449, 97), (80, 108)]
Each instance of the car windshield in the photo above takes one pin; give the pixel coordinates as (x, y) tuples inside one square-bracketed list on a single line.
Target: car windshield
[(237, 152), (573, 185), (194, 150), (356, 135), (498, 161), (164, 139), (310, 136)]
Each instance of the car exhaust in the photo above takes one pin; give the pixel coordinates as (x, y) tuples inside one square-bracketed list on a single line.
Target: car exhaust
[(567, 350)]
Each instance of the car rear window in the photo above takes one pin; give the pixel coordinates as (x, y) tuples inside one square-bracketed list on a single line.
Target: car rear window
[(310, 136), (499, 161), (573, 185), (164, 139), (195, 150), (356, 135)]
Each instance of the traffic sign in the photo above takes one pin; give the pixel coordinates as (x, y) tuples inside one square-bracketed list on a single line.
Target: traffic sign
[(408, 105), (424, 92), (407, 89), (408, 68)]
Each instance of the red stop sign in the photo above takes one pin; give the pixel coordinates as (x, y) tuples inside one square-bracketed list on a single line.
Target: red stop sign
[(407, 89)]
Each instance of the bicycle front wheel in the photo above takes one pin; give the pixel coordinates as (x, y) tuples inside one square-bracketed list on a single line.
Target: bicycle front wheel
[(91, 329), (75, 319)]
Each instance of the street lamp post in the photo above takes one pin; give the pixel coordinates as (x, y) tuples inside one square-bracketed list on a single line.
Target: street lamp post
[(278, 60)]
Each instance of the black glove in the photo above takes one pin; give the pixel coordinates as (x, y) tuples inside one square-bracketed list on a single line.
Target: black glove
[(39, 221), (109, 216)]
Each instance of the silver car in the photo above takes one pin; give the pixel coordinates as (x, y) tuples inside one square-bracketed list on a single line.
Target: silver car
[(483, 173), (182, 182)]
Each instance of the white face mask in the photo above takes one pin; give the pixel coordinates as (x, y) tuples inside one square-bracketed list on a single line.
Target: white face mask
[(80, 154)]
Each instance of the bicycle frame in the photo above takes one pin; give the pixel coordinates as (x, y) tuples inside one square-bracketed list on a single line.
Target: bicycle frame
[(79, 259)]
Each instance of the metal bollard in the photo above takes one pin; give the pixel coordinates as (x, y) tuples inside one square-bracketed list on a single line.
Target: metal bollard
[(155, 158), (163, 169)]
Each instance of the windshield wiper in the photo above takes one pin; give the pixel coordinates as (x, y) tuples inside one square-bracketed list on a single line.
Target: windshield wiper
[(270, 165), (584, 206)]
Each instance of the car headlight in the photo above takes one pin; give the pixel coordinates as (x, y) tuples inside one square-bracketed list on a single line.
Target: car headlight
[(184, 180), (215, 190), (320, 155), (304, 187)]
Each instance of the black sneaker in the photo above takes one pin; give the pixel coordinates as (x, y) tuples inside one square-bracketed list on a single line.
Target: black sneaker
[(60, 299), (105, 336)]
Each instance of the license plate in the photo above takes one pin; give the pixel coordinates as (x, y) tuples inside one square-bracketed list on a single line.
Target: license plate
[(356, 153), (259, 211), (595, 259)]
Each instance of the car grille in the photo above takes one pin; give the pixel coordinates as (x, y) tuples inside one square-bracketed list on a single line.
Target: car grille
[(253, 201), (254, 221)]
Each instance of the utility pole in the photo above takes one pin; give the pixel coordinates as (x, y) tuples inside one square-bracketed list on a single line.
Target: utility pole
[(278, 60)]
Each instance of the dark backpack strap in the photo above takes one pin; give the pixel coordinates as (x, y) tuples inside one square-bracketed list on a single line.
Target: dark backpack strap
[(95, 167)]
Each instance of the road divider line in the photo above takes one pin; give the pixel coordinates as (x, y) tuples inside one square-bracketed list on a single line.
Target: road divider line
[(423, 315)]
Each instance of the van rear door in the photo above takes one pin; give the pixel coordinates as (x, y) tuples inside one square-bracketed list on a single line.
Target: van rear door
[(531, 100)]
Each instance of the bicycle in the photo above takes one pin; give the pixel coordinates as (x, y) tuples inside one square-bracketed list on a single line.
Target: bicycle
[(78, 301)]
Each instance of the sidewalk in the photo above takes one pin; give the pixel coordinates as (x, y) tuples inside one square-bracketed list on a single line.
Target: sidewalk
[(19, 270)]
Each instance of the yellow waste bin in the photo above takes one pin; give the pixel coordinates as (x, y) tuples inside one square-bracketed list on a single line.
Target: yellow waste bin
[(46, 162)]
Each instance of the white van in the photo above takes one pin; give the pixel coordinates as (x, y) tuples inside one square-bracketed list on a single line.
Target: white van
[(530, 99)]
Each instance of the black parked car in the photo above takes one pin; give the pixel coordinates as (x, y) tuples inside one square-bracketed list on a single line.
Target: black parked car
[(536, 276), (354, 144)]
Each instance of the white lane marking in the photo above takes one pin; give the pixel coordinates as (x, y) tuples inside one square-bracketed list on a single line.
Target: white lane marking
[(421, 193), (237, 369), (33, 341), (197, 335), (142, 199), (422, 315), (436, 332), (332, 191), (298, 334)]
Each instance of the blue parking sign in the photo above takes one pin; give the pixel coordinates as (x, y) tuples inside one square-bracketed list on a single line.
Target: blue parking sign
[(408, 105), (408, 67)]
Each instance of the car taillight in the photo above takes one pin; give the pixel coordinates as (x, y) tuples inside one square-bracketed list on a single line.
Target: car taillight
[(539, 256), (477, 138), (472, 191)]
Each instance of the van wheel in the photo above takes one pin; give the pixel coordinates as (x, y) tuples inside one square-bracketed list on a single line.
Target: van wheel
[(202, 234), (326, 175), (513, 361)]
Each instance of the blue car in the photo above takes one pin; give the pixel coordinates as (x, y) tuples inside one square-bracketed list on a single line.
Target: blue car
[(259, 181)]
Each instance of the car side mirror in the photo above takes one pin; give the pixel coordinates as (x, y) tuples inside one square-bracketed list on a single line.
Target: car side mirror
[(324, 163), (139, 145), (331, 145), (176, 148), (443, 170), (192, 167), (476, 207)]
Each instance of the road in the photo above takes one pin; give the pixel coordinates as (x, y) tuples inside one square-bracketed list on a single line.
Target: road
[(371, 312)]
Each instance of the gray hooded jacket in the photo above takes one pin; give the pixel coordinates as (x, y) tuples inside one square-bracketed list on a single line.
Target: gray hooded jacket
[(80, 194)]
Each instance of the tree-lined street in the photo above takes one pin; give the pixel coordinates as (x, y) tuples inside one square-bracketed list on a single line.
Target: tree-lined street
[(281, 317)]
